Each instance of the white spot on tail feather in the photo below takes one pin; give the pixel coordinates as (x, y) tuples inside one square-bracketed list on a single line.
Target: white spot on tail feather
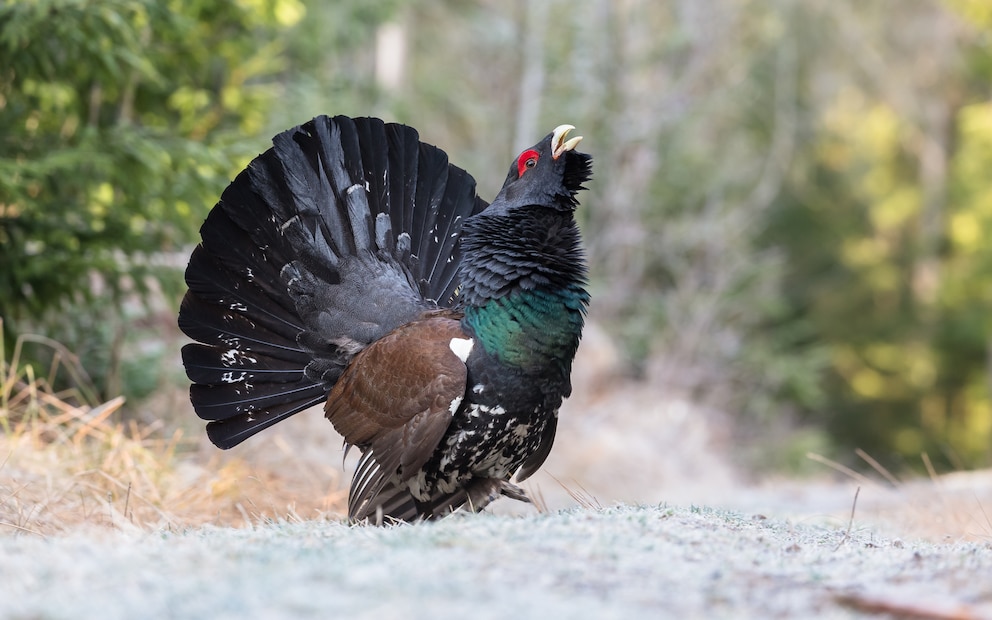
[(288, 223), (454, 405), (461, 347), (234, 357)]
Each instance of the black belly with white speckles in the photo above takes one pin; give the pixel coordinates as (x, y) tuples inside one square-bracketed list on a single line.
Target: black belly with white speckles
[(483, 442), (503, 420)]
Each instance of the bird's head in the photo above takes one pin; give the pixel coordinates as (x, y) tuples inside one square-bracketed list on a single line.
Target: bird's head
[(548, 173)]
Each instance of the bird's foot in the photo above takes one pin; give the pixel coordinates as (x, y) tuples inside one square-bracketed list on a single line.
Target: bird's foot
[(483, 491)]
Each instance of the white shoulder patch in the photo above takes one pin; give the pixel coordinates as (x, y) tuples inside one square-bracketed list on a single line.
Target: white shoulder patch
[(461, 347)]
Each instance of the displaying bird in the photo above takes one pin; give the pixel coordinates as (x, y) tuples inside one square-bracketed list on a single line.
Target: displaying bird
[(352, 264)]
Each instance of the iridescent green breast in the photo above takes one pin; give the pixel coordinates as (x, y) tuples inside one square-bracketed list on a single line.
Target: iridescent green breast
[(531, 329)]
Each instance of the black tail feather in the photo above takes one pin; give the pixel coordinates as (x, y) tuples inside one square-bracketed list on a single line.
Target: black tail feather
[(404, 147), (218, 297), (444, 266), (374, 147), (205, 366), (219, 402), (231, 431), (343, 230), (234, 331)]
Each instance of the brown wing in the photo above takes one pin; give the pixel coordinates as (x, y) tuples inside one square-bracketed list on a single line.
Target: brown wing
[(397, 398)]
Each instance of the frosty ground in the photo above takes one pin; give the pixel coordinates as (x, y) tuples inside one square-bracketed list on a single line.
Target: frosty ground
[(620, 562), (639, 513)]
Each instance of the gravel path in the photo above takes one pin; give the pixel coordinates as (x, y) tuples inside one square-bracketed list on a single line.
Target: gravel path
[(622, 562)]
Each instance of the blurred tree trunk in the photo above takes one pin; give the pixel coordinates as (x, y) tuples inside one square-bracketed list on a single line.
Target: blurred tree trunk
[(529, 97), (390, 55)]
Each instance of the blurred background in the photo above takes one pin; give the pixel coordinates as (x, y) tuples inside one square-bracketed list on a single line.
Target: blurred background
[(788, 226)]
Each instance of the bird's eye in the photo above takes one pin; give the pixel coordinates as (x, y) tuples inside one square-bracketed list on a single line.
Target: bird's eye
[(527, 159)]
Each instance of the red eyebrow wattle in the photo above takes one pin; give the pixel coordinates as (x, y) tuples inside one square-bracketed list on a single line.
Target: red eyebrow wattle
[(522, 161)]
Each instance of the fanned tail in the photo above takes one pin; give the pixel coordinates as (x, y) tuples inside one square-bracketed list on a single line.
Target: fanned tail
[(342, 231)]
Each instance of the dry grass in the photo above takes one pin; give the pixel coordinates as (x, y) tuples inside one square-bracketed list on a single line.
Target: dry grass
[(956, 506), (67, 461)]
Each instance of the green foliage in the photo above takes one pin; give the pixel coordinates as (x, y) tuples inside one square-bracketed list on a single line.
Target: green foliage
[(120, 121), (789, 214), (885, 223), (332, 61)]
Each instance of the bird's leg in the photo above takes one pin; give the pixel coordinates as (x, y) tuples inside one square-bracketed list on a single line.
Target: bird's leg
[(483, 491)]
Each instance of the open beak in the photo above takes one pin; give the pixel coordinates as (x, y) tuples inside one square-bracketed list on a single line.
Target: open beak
[(558, 142)]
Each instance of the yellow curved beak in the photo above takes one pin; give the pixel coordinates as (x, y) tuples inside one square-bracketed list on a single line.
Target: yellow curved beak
[(558, 142)]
